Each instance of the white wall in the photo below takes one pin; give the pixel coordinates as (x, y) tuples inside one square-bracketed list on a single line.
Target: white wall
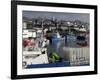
[(5, 30)]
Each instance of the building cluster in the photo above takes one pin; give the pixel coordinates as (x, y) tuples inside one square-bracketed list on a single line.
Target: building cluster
[(54, 23)]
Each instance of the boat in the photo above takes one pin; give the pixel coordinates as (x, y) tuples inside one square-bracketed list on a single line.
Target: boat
[(81, 40)]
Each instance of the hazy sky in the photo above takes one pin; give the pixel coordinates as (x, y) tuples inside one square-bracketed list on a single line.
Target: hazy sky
[(58, 15)]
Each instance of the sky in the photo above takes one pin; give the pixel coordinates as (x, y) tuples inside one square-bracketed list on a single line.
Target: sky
[(84, 17)]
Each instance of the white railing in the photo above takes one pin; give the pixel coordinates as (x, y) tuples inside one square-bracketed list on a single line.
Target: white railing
[(77, 56)]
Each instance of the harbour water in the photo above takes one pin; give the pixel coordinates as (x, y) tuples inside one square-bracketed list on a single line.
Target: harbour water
[(69, 50)]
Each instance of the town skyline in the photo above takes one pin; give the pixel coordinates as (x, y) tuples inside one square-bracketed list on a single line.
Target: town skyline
[(58, 15)]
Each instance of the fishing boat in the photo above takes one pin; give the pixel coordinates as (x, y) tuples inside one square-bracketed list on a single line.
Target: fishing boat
[(81, 40)]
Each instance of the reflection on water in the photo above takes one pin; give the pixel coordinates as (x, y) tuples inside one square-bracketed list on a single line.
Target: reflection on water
[(57, 46), (69, 42)]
